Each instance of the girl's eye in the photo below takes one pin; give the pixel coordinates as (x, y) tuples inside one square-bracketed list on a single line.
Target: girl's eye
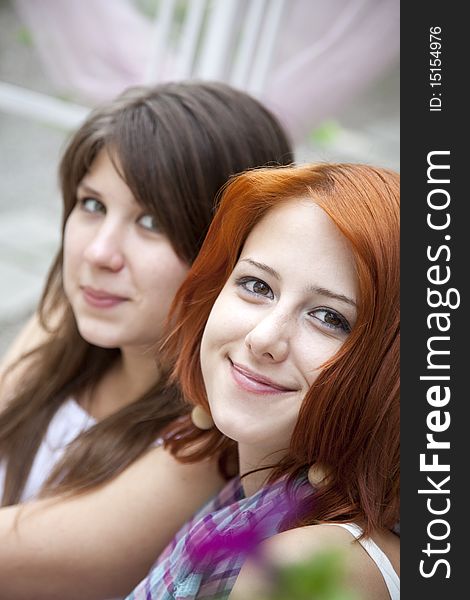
[(331, 319), (92, 205), (149, 222), (256, 287)]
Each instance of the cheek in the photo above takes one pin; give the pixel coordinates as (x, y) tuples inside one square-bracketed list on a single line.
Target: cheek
[(227, 323), (210, 337), (161, 274), (67, 242), (76, 237), (73, 244), (217, 333), (312, 351)]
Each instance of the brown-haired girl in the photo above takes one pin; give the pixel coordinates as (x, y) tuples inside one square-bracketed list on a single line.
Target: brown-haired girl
[(287, 334), (84, 405)]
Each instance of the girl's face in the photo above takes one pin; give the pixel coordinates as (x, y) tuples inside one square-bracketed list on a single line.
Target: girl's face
[(287, 307), (120, 272)]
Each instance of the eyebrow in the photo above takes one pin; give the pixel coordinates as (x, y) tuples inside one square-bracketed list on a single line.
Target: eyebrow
[(311, 289), (86, 188)]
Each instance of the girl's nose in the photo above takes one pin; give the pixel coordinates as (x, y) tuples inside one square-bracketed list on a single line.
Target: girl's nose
[(105, 250), (269, 338)]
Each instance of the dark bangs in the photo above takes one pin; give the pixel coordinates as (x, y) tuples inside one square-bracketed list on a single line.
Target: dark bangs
[(160, 179), (200, 135)]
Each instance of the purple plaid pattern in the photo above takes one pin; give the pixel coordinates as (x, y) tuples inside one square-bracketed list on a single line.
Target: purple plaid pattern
[(206, 555)]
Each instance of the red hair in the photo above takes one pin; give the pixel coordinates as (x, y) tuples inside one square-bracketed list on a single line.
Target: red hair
[(349, 419)]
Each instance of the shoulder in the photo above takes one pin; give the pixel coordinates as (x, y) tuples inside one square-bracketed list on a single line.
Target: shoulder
[(158, 469), (167, 488), (201, 473), (312, 543), (103, 542)]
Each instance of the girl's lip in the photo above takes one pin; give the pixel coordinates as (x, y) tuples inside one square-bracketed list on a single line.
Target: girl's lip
[(101, 298), (254, 382)]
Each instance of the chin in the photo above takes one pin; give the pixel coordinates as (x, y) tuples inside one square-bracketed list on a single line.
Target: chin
[(238, 428), (254, 432), (94, 336), (101, 342)]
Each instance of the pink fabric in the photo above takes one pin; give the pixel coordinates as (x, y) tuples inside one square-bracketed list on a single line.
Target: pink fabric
[(95, 48), (326, 53)]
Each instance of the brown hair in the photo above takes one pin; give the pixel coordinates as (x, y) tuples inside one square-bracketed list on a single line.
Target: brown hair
[(349, 419), (174, 145)]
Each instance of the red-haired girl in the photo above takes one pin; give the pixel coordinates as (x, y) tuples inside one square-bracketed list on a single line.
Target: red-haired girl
[(287, 340)]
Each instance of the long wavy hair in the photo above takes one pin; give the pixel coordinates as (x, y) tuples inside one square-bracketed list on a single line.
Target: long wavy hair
[(174, 145), (349, 420)]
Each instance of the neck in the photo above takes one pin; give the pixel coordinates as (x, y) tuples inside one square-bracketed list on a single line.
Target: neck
[(139, 369), (134, 373), (251, 458)]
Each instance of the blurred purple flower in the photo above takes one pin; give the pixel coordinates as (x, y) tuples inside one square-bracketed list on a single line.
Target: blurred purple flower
[(246, 531)]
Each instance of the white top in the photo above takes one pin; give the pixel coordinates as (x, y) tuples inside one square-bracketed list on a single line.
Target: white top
[(67, 423), (392, 581)]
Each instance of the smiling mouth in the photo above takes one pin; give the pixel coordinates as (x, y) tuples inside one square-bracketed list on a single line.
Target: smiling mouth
[(100, 298), (253, 382)]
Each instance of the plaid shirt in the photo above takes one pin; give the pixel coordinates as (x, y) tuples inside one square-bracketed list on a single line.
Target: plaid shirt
[(206, 555)]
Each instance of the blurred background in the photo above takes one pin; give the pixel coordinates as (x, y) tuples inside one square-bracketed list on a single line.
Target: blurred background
[(329, 69)]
